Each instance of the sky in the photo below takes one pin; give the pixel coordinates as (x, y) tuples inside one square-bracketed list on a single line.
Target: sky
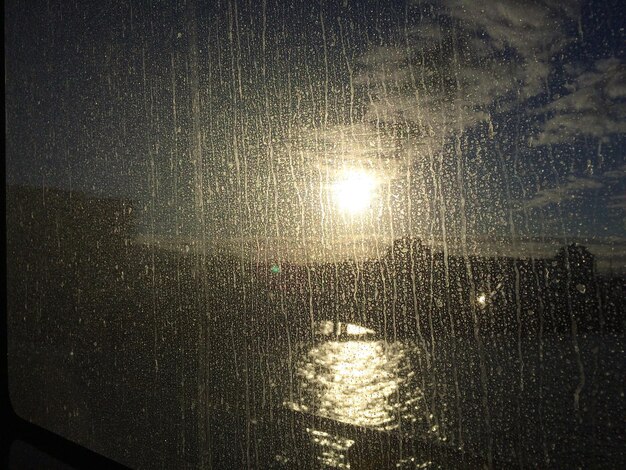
[(485, 128)]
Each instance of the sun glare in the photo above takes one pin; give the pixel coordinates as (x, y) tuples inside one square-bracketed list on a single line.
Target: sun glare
[(354, 191)]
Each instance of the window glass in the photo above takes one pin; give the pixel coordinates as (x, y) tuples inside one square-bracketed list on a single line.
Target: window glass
[(268, 234)]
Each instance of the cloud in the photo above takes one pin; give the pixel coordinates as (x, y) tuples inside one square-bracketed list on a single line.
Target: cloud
[(594, 107), (575, 185), (619, 173), (533, 30), (531, 27), (331, 149), (444, 73), (566, 191), (617, 202)]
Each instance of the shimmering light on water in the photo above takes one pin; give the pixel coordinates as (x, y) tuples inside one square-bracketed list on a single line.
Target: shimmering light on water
[(332, 448), (354, 382), (356, 330), (329, 327), (357, 382)]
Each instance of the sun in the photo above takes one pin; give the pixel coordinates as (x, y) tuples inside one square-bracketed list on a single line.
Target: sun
[(354, 191)]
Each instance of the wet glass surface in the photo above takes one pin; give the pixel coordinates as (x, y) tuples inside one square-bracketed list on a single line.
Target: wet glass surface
[(303, 234)]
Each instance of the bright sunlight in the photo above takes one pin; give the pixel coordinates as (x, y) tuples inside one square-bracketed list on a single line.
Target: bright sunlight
[(354, 191)]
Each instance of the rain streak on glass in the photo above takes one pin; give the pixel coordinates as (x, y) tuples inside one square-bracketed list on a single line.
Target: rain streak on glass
[(319, 234)]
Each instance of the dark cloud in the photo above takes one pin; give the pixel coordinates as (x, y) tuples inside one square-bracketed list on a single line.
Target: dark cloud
[(449, 70), (568, 190), (575, 186), (595, 105), (618, 202)]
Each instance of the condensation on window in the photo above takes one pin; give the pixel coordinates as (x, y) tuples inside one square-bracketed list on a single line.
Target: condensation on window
[(356, 234)]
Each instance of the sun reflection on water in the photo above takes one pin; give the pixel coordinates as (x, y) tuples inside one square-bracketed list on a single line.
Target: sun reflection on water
[(358, 382), (354, 382), (333, 449)]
